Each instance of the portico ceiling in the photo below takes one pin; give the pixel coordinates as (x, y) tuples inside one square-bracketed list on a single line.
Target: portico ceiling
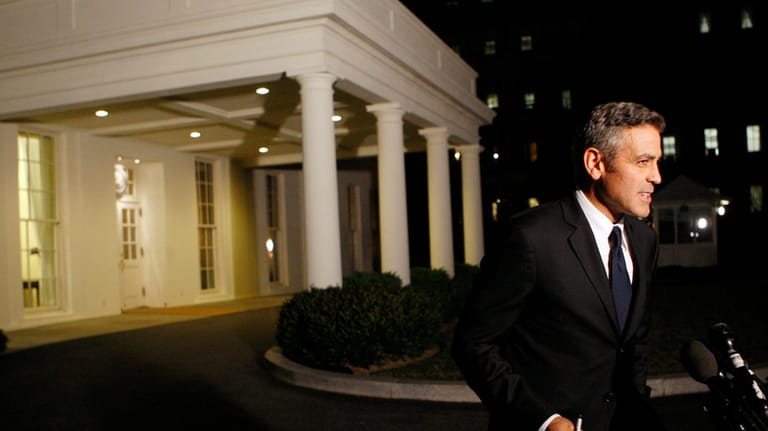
[(253, 129)]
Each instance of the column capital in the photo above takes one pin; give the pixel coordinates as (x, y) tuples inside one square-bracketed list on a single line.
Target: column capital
[(434, 133), (321, 79), (469, 149), (384, 107)]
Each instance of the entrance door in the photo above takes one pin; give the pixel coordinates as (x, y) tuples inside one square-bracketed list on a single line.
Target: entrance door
[(131, 254)]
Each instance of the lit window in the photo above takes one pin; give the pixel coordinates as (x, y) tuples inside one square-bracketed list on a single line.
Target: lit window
[(490, 47), (746, 19), (526, 43), (492, 100), (753, 138), (529, 99), (711, 146), (756, 198), (38, 221), (533, 149), (670, 146), (566, 99), (206, 224), (704, 24)]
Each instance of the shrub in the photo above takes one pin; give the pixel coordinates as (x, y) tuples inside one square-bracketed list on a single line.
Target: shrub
[(369, 320), (447, 294)]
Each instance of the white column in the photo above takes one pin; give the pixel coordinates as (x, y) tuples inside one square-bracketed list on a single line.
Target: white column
[(321, 196), (471, 192), (439, 193), (393, 211)]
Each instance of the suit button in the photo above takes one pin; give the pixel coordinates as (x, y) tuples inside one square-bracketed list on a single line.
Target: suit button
[(609, 397)]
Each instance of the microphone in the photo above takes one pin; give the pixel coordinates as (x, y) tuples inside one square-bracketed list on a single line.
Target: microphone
[(746, 380), (724, 405), (700, 362)]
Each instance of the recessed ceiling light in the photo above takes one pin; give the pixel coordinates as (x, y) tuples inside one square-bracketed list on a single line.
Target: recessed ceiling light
[(263, 150), (195, 134), (101, 113), (336, 118), (262, 90), (136, 161)]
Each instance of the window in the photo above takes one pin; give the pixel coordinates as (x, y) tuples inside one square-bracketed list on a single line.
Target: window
[(746, 19), (756, 198), (704, 24), (38, 221), (526, 43), (669, 144), (490, 47), (753, 138), (528, 100), (711, 146), (206, 224), (533, 151), (492, 100), (274, 242), (566, 99)]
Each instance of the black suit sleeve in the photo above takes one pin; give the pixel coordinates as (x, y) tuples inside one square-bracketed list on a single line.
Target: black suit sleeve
[(503, 284)]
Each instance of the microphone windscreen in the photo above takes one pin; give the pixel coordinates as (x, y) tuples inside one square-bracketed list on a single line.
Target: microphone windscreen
[(699, 361)]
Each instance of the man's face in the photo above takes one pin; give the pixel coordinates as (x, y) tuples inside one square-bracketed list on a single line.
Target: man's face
[(627, 184)]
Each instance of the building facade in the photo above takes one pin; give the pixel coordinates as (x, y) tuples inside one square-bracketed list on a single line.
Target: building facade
[(164, 153)]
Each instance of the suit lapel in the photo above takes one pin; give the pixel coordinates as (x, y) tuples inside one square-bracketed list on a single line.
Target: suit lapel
[(582, 243)]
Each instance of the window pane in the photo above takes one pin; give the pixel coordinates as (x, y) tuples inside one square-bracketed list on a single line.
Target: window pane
[(704, 23), (490, 47), (205, 218), (753, 138), (746, 19), (670, 147), (711, 146), (526, 43), (37, 220)]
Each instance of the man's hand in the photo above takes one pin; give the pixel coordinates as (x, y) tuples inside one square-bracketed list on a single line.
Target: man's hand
[(561, 424)]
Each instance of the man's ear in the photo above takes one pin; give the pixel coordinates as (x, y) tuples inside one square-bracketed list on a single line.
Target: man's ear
[(594, 163)]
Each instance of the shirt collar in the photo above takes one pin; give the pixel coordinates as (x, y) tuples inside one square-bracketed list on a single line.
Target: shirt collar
[(600, 224)]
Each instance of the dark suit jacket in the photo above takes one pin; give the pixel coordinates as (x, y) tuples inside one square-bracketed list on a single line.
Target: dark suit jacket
[(539, 332)]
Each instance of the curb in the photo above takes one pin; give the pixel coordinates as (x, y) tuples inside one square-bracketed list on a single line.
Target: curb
[(296, 374)]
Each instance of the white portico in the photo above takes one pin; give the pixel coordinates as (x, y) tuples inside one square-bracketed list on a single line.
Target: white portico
[(164, 69)]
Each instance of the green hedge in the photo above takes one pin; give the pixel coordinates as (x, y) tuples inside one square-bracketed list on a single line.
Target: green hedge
[(372, 318), (448, 294)]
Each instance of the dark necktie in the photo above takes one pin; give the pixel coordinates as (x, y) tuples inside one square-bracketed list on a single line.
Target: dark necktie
[(620, 284)]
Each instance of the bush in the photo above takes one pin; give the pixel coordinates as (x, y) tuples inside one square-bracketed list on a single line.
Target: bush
[(447, 294), (371, 319)]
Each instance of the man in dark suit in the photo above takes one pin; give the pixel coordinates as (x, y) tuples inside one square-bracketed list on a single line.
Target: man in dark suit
[(540, 340)]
